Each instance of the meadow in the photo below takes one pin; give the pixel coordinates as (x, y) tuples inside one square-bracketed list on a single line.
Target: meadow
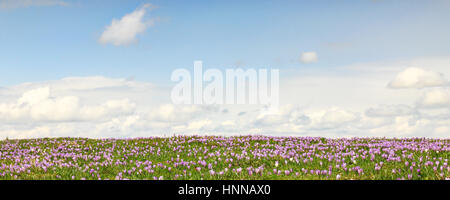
[(225, 158)]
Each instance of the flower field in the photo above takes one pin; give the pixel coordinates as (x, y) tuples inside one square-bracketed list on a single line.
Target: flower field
[(223, 158)]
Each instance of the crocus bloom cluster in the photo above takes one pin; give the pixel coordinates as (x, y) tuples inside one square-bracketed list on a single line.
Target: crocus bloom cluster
[(211, 157)]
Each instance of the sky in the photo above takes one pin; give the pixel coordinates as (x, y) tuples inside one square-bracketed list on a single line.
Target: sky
[(367, 68)]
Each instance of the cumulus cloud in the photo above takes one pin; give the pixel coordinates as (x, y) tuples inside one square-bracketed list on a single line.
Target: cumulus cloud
[(435, 98), (124, 125), (286, 114), (86, 106), (179, 113), (329, 106), (8, 4), (414, 77), (125, 30), (39, 105), (308, 57), (332, 118), (371, 123), (199, 124)]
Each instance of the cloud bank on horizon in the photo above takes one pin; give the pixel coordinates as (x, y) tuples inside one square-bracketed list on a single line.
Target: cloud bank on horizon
[(108, 107), (392, 97)]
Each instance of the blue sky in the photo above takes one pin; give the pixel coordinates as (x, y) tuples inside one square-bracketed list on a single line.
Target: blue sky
[(51, 42)]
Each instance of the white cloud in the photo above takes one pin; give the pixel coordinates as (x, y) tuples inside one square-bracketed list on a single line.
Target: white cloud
[(351, 104), (35, 132), (199, 124), (34, 96), (442, 129), (108, 109), (286, 114), (8, 4), (179, 113), (124, 125), (74, 84), (390, 111), (435, 98), (372, 123), (39, 105), (332, 118), (308, 57), (125, 30), (414, 77)]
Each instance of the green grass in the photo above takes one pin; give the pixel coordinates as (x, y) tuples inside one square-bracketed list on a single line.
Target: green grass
[(79, 158)]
